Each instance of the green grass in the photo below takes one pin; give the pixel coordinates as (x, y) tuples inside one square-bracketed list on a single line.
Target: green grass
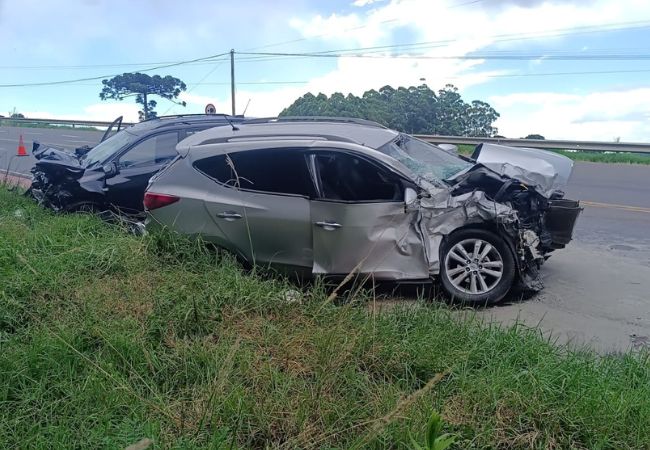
[(621, 158), (108, 338)]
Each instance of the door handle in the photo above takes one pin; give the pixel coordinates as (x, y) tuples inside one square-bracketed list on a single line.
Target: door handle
[(229, 215), (328, 226)]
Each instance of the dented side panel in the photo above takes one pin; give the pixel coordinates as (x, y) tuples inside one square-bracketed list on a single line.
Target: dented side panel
[(378, 238), (443, 213)]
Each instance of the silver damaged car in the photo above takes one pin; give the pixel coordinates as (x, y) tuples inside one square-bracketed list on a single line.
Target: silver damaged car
[(323, 196)]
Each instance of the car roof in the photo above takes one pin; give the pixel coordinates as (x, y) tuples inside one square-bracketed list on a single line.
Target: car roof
[(368, 134), (182, 121)]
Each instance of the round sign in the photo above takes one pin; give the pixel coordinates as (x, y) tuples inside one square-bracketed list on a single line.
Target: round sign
[(210, 109)]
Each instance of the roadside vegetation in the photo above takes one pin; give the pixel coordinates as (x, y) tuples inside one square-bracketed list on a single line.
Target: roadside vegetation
[(107, 339), (16, 123)]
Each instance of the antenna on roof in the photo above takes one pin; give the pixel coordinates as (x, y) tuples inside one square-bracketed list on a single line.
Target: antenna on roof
[(245, 109), (232, 125)]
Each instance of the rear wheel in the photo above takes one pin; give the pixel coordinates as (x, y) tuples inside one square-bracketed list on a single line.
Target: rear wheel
[(476, 267)]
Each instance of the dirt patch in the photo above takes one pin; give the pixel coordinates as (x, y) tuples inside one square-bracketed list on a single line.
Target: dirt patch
[(15, 181)]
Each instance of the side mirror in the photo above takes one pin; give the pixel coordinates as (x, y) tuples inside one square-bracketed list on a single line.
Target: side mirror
[(110, 169), (35, 146), (410, 198)]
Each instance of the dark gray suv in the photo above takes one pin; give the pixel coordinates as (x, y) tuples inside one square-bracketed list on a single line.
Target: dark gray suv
[(114, 174)]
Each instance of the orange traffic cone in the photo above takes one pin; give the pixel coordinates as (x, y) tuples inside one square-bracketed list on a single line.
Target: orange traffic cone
[(21, 147)]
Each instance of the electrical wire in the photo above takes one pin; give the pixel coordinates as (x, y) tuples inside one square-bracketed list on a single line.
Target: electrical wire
[(379, 52), (617, 26), (54, 83)]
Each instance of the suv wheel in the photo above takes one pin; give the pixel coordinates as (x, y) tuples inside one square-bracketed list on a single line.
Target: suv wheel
[(476, 267)]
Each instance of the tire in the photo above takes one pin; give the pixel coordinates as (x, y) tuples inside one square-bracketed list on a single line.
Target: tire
[(488, 276)]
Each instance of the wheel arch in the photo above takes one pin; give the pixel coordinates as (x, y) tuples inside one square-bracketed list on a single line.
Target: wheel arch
[(492, 227)]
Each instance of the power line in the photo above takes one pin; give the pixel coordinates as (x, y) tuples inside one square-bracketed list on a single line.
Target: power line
[(53, 83), (374, 49), (383, 22), (194, 85), (617, 26), (370, 51), (513, 75), (480, 56)]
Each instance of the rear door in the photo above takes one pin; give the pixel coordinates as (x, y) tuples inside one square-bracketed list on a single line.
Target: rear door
[(359, 221), (260, 203), (136, 166)]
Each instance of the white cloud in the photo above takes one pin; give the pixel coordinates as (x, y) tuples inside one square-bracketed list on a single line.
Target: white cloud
[(458, 28), (362, 3), (596, 116), (105, 112), (551, 113)]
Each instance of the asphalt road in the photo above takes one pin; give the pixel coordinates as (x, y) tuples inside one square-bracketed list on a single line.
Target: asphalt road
[(597, 289)]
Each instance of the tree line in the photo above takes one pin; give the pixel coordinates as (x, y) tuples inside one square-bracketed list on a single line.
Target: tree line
[(414, 110)]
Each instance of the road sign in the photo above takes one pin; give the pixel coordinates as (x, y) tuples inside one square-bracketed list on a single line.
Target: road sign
[(210, 109)]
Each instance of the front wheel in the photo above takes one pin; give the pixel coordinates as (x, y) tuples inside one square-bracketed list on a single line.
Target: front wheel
[(476, 267)]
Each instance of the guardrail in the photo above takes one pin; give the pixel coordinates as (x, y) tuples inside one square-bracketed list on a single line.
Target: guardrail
[(590, 146), (72, 122)]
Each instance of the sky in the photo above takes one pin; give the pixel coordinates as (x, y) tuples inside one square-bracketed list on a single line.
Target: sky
[(565, 69)]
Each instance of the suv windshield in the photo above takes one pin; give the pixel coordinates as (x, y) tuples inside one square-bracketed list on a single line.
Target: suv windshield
[(103, 151), (425, 160)]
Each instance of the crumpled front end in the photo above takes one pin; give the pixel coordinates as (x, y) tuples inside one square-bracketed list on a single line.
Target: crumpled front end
[(60, 182), (532, 224)]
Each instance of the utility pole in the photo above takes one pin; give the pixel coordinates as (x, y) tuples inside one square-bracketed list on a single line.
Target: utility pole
[(232, 79)]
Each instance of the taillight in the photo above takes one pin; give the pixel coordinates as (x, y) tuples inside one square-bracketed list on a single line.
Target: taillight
[(154, 201)]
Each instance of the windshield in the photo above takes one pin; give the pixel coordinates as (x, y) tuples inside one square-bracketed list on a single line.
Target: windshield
[(103, 151), (425, 160)]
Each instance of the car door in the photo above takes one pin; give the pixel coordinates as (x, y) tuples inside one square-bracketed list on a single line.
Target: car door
[(359, 219), (260, 204), (125, 190)]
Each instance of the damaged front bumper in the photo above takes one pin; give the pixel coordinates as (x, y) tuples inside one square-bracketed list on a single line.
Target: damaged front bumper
[(533, 224), (61, 183)]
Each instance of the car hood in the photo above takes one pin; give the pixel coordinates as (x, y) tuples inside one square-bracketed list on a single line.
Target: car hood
[(546, 171), (57, 156)]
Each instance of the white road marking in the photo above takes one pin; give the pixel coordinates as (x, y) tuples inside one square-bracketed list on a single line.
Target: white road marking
[(69, 136)]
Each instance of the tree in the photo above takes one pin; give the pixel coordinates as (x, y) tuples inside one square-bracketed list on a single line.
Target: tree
[(13, 114), (141, 86), (480, 116), (538, 137), (414, 110)]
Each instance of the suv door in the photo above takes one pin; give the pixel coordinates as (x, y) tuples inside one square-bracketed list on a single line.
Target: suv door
[(359, 220), (136, 166), (260, 203)]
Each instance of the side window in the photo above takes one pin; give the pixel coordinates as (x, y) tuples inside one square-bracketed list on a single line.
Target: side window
[(276, 171), (351, 178), (154, 150), (190, 132)]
